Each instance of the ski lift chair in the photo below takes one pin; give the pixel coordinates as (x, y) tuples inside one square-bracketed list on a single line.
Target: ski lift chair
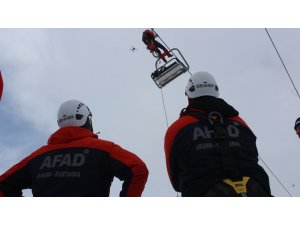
[(170, 70)]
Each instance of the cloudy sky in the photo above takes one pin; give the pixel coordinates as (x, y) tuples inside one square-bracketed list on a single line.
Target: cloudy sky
[(44, 67)]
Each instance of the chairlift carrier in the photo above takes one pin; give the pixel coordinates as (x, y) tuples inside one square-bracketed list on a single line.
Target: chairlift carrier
[(170, 70)]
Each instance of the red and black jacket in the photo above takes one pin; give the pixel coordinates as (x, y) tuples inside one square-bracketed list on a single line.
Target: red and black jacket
[(76, 163), (193, 161)]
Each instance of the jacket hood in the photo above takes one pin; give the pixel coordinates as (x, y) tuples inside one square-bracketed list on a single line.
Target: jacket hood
[(68, 134)]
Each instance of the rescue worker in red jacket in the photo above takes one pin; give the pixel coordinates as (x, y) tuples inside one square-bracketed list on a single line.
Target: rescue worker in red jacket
[(210, 150), (153, 45), (75, 162), (297, 127)]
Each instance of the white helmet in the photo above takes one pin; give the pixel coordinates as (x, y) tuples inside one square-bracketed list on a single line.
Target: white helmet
[(202, 84), (73, 113)]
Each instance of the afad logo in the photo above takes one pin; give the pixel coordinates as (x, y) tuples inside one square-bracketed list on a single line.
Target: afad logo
[(68, 159)]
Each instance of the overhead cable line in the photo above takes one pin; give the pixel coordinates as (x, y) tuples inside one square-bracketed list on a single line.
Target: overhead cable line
[(275, 177), (298, 97), (283, 64)]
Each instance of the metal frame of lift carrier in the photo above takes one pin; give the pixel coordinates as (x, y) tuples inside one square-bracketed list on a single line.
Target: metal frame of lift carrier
[(170, 70)]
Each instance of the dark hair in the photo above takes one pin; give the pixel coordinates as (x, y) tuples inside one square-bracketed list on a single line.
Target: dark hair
[(297, 123), (88, 124)]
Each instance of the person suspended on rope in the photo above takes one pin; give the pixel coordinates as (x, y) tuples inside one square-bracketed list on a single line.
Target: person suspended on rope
[(210, 150), (297, 127), (154, 46), (1, 85), (75, 162)]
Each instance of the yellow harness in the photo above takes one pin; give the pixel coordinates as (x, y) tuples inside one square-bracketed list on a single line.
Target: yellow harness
[(240, 186)]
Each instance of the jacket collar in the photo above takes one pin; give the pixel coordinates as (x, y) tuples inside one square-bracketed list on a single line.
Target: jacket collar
[(68, 134), (209, 104)]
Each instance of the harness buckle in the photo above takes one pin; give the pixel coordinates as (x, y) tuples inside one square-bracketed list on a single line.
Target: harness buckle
[(239, 186)]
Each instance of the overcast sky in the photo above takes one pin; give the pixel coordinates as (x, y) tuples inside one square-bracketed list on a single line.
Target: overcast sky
[(42, 68)]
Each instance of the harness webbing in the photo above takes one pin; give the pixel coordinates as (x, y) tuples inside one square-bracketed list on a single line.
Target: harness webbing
[(236, 180), (216, 120)]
